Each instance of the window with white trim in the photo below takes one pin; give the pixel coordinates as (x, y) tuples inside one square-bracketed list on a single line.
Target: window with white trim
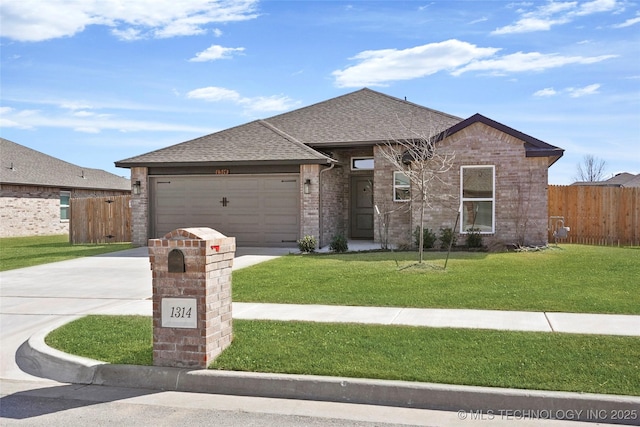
[(65, 196), (477, 192), (401, 187)]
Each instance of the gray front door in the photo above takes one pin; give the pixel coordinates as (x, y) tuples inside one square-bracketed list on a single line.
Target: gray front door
[(362, 207)]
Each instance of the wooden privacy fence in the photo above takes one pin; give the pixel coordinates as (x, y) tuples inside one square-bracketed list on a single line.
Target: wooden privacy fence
[(597, 215), (100, 220)]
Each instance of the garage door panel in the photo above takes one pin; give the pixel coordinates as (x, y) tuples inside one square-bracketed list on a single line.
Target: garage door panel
[(260, 210)]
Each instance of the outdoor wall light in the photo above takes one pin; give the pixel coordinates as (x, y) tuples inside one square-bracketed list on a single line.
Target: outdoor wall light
[(307, 186), (136, 187)]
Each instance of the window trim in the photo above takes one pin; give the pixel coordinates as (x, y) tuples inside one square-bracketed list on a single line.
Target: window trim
[(68, 206), (354, 159), (479, 199), (403, 186)]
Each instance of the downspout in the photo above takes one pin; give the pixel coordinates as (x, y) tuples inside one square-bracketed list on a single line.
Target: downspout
[(320, 205)]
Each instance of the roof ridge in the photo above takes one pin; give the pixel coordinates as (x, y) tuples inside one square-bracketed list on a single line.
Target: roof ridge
[(292, 139)]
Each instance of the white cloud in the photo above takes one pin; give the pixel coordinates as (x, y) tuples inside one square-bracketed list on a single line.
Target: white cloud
[(572, 92), (629, 22), (216, 52), (214, 94), (38, 20), (533, 61), (584, 91), (86, 122), (252, 105), (87, 130), (542, 18), (549, 91), (377, 67), (268, 104)]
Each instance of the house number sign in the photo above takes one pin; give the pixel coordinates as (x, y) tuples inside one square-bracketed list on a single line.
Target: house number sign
[(179, 313)]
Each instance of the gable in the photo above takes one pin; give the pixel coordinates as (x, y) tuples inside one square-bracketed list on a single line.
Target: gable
[(533, 147)]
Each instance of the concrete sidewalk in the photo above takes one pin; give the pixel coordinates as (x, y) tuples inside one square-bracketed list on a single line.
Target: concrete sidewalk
[(576, 323)]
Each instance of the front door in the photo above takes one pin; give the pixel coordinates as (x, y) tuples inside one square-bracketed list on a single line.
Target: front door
[(362, 207)]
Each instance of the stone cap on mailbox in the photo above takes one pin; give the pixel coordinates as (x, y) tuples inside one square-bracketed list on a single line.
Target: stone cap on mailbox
[(194, 233)]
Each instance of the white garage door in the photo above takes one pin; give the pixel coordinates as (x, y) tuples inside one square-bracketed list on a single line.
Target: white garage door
[(258, 210)]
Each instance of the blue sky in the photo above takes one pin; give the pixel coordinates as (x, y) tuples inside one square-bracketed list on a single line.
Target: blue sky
[(98, 81)]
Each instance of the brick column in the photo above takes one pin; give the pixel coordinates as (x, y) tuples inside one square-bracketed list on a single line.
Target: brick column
[(191, 296)]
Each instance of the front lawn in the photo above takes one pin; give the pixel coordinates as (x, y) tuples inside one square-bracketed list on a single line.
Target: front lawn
[(18, 252), (571, 278), (526, 360)]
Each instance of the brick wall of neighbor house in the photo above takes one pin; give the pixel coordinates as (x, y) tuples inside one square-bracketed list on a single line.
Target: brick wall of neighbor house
[(521, 187), (35, 211), (140, 208)]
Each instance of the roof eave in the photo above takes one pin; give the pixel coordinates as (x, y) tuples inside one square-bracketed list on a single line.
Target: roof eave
[(318, 161)]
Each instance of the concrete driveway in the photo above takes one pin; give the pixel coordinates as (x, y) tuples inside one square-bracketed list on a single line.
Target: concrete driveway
[(35, 298)]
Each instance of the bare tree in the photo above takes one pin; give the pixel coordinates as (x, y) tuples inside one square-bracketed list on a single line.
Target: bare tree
[(591, 169), (423, 163)]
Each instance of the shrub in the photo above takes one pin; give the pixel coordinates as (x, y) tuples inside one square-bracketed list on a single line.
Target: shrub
[(447, 237), (474, 238), (428, 239), (307, 244), (339, 244)]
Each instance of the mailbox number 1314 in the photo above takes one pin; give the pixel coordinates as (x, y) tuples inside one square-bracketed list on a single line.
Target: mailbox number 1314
[(181, 312)]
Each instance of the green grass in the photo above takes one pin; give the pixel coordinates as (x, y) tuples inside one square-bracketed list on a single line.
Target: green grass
[(572, 278), (18, 252), (114, 339), (526, 360)]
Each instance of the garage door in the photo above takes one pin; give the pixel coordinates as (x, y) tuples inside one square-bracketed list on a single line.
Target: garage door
[(258, 210)]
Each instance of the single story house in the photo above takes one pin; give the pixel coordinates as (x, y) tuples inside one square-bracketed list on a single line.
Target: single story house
[(35, 190), (321, 171), (622, 180)]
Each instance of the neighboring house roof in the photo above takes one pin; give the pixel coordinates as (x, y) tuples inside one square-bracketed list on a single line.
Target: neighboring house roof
[(363, 117), (623, 179), (21, 165)]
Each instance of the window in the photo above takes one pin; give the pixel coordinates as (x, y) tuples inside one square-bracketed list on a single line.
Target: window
[(64, 205), (361, 163), (401, 187), (477, 188)]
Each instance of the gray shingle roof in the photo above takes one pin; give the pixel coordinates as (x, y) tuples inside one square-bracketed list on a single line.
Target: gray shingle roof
[(21, 165), (256, 141), (361, 117)]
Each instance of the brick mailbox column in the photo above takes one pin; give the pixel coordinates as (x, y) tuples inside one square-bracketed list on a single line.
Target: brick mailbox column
[(191, 296)]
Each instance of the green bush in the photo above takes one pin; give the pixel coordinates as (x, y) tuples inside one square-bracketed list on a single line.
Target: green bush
[(474, 238), (448, 237), (339, 244), (307, 244), (428, 240)]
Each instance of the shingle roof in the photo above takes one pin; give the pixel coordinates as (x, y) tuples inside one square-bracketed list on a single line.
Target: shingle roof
[(256, 141), (363, 117), (21, 165)]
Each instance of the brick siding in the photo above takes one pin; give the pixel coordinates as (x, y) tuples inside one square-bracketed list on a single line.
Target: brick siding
[(35, 211)]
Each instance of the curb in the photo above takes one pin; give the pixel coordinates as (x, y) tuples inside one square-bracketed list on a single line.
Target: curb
[(471, 402)]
